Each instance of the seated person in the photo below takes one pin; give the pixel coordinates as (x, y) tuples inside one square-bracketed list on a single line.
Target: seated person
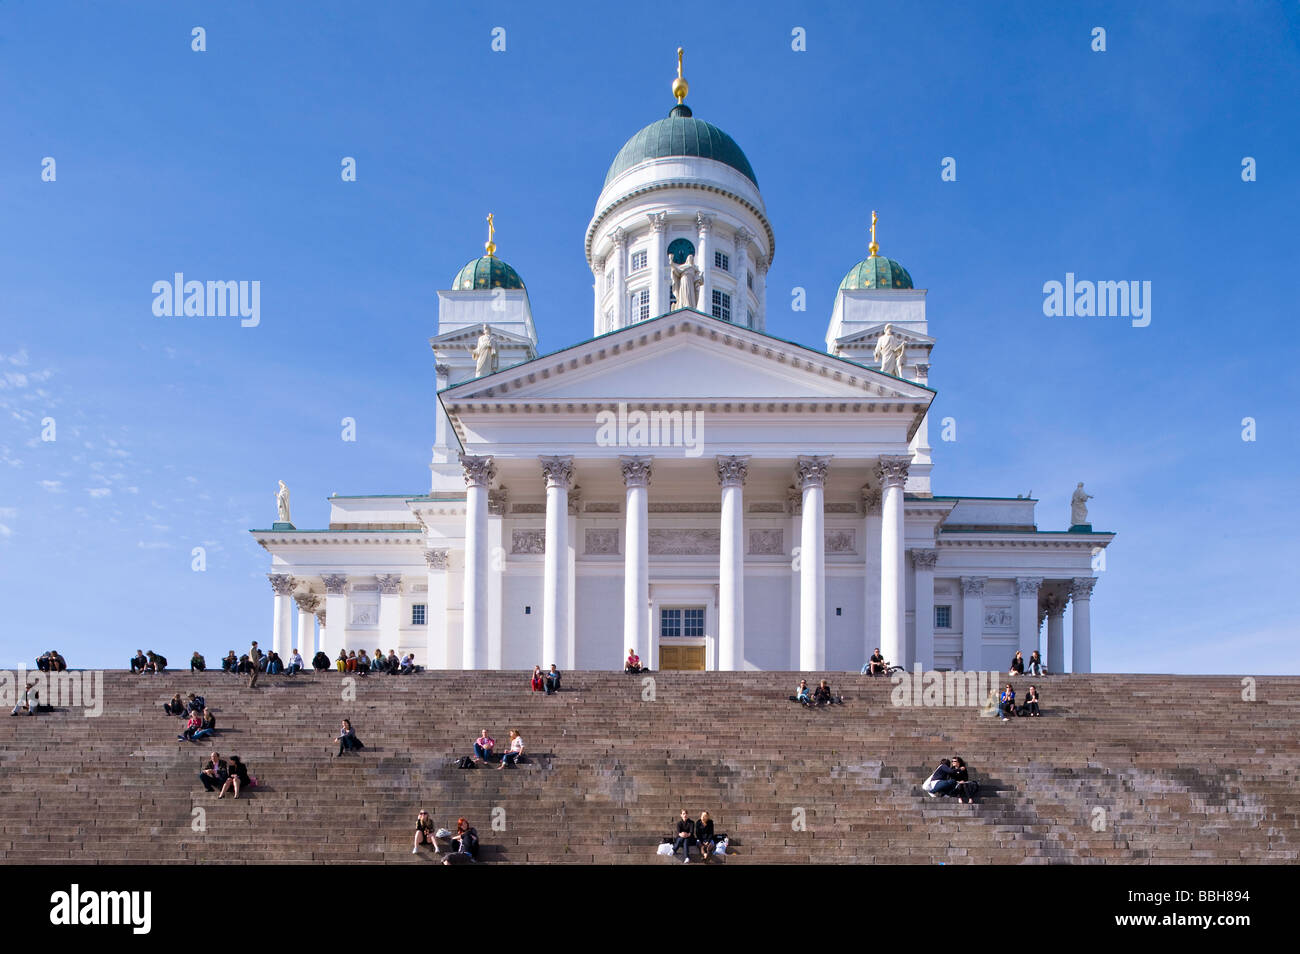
[(1036, 667), (198, 663), (1007, 703), (822, 694), (43, 662), (295, 662), (394, 664), (363, 663), (552, 680), (30, 703), (347, 739), (207, 726), (875, 665), (213, 772), (194, 704), (156, 662), (538, 681), (465, 839), (803, 694), (516, 750), (57, 662), (238, 776), (684, 836), (193, 725), (230, 662), (138, 662), (964, 788), (704, 836), (1030, 708), (320, 661), (633, 662), (483, 747), (176, 707), (342, 661), (245, 665), (1017, 665), (408, 664), (423, 831), (378, 663), (944, 783)]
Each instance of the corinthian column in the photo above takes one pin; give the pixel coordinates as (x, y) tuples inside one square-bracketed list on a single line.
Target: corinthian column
[(558, 472), (390, 611), (731, 564), (336, 608), (923, 563), (306, 627), (478, 475), (810, 476), (1027, 590), (658, 254), (704, 260), (636, 557), (282, 625), (1055, 606), (1081, 636), (893, 584)]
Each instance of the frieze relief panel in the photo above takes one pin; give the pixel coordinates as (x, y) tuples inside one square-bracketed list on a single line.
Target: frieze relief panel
[(528, 541), (602, 542), (841, 541), (998, 617), (705, 541), (767, 542)]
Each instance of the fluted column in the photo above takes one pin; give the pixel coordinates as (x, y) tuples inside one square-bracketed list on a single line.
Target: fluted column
[(282, 624), (871, 569), (923, 563), (810, 476), (598, 286), (704, 260), (658, 263), (636, 557), (336, 608), (731, 564), (1081, 632), (558, 473), (760, 290), (435, 614), (390, 611), (1027, 588), (478, 475), (740, 265), (619, 257), (972, 622), (306, 627), (893, 582), (1055, 633)]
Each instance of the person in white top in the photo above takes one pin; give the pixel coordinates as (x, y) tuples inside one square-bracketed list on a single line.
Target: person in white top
[(295, 662), (516, 749)]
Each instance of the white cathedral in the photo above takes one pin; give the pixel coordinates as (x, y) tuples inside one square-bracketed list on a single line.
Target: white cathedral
[(683, 484)]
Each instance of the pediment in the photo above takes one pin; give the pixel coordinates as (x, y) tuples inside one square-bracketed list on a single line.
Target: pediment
[(469, 336), (687, 357), (868, 336)]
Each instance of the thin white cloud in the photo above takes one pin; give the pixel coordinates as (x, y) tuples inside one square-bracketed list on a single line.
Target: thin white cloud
[(98, 491), (157, 545), (53, 486)]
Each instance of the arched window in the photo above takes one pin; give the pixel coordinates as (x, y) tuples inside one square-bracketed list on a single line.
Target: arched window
[(679, 249)]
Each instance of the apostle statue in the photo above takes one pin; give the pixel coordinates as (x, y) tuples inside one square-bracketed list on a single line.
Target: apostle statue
[(1079, 506), (282, 504), (687, 280), (484, 353), (889, 352)]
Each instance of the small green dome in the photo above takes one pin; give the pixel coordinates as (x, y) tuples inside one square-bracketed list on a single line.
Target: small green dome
[(681, 134), (876, 272), (486, 272)]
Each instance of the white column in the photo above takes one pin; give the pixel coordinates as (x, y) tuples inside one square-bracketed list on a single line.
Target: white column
[(871, 570), (1027, 587), (893, 583), (636, 559), (598, 286), (794, 533), (569, 637), (740, 265), (658, 263), (1055, 634), (923, 563), (1081, 632), (336, 608), (704, 261), (619, 256), (972, 622), (435, 612), (321, 641), (306, 643), (282, 624), (498, 502), (810, 476), (478, 475), (390, 612), (731, 564), (558, 473), (760, 287)]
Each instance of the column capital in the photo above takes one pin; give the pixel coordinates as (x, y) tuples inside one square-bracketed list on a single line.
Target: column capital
[(1028, 585), (557, 471), (973, 585), (436, 557), (732, 471), (922, 370), (636, 471), (704, 223), (1055, 605), (743, 237), (1081, 587), (870, 500), (811, 471), (619, 236), (442, 370), (893, 471), (658, 220), (335, 584), (389, 585), (479, 471), (307, 603), (497, 500), (281, 583), (924, 559)]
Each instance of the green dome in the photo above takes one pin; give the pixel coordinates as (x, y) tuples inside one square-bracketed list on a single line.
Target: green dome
[(877, 272), (681, 134), (486, 272)]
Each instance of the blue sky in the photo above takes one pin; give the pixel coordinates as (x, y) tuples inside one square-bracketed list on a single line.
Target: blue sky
[(171, 432)]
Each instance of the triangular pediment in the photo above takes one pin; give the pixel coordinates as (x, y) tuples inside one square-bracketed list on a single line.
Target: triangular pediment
[(469, 336), (868, 336), (683, 357)]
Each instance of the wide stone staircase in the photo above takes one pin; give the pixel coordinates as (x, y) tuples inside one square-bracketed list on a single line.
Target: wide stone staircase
[(1141, 768)]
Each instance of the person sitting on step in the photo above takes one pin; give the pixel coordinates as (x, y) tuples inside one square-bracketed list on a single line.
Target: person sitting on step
[(176, 707), (552, 680), (633, 664), (483, 747), (408, 665), (195, 703), (822, 695), (802, 694), (342, 661), (1017, 665), (245, 665), (238, 777), (378, 662), (138, 662), (423, 832), (1030, 708), (30, 703), (704, 836), (320, 662), (207, 727), (156, 663), (295, 663), (876, 665), (465, 840), (394, 664), (1036, 667), (684, 836), (274, 664), (516, 750), (193, 725), (198, 663), (347, 739), (538, 681), (363, 664), (941, 781), (1007, 703), (213, 773), (964, 789), (230, 662)]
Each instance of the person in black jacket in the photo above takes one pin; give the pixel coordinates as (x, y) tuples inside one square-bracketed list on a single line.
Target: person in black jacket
[(704, 835), (138, 662), (238, 776), (1030, 707), (1017, 665), (347, 739), (685, 836), (213, 772), (965, 788), (320, 661), (230, 662)]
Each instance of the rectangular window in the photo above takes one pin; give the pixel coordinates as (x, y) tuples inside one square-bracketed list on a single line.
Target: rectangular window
[(670, 622), (418, 614), (749, 279), (638, 260), (677, 621), (641, 305), (722, 261), (943, 617), (693, 622), (749, 319), (721, 305)]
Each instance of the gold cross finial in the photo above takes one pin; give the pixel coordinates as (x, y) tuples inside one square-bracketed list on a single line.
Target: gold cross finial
[(490, 245), (873, 247), (680, 87)]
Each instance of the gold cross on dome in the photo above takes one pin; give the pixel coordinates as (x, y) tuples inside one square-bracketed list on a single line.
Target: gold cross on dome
[(490, 245), (873, 247)]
